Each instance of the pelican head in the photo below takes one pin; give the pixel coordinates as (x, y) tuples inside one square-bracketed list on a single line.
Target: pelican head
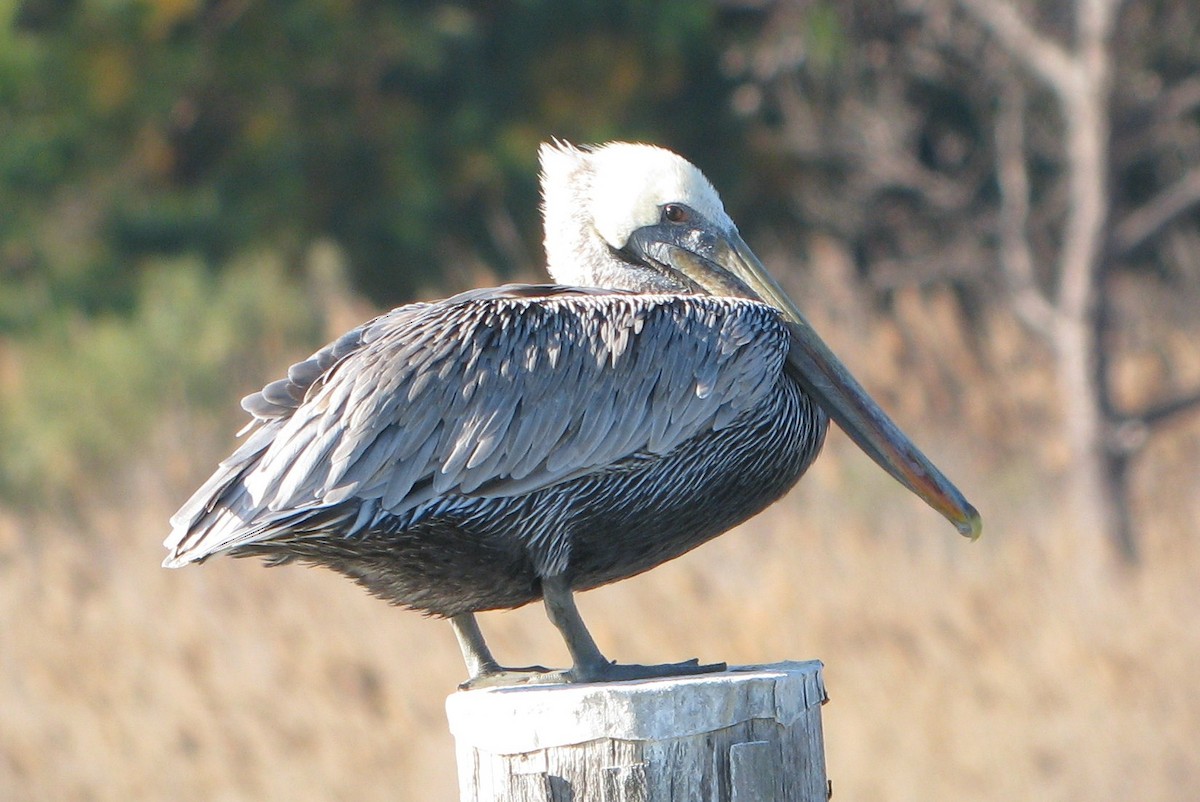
[(638, 217)]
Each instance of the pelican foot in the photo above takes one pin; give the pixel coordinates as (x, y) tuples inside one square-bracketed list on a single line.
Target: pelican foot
[(617, 672), (501, 676)]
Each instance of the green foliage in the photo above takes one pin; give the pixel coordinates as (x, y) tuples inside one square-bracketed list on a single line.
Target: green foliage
[(87, 392), (144, 144), (402, 130)]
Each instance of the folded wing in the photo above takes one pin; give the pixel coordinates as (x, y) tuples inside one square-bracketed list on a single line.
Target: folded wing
[(496, 392)]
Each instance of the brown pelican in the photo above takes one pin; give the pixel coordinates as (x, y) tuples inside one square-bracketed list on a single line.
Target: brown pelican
[(528, 442)]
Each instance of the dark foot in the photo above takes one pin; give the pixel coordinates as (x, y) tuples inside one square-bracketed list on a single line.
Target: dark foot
[(500, 676), (605, 672), (617, 672)]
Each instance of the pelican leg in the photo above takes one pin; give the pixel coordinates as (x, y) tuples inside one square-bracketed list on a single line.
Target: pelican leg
[(589, 664), (475, 651), (483, 668)]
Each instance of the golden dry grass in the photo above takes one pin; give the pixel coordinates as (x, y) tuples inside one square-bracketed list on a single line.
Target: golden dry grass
[(956, 671), (997, 670)]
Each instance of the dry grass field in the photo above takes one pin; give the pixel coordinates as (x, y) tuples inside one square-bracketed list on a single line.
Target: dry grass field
[(990, 671)]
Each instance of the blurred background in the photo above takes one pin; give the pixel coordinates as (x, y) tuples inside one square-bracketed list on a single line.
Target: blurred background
[(991, 210)]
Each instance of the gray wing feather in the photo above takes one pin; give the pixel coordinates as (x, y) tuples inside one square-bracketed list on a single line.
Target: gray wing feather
[(491, 393)]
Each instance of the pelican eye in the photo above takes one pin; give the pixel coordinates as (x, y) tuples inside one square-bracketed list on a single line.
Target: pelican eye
[(674, 213)]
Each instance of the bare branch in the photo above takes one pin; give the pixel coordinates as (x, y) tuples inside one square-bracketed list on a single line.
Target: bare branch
[(1163, 412), (1094, 20), (1129, 433), (1045, 58), (1179, 100), (1016, 257), (1151, 217)]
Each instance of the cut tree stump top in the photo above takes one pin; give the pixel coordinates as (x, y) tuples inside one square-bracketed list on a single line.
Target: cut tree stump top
[(749, 733)]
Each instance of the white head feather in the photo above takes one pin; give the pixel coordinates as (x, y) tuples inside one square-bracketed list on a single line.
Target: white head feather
[(593, 200)]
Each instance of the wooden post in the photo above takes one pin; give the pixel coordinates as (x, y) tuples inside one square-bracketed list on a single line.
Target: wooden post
[(749, 734)]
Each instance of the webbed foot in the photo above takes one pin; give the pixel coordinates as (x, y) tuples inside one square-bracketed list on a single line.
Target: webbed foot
[(501, 676), (496, 676), (617, 672)]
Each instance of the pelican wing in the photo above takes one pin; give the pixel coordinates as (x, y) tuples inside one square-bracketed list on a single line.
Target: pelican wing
[(495, 392)]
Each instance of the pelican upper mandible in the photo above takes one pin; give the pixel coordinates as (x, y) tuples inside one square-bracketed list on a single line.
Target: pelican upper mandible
[(527, 442)]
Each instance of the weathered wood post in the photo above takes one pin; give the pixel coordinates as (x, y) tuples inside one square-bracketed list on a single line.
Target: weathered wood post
[(749, 734)]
